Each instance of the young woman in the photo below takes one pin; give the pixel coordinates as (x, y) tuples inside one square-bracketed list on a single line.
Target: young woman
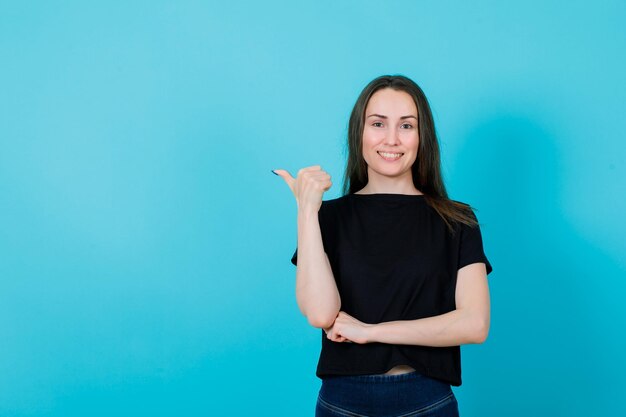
[(393, 271)]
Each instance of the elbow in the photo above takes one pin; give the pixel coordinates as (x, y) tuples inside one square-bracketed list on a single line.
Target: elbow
[(324, 319), (322, 316), (321, 322), (480, 331), (320, 319)]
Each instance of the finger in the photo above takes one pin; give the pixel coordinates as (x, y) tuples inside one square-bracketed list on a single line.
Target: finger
[(322, 180), (311, 168), (286, 176), (317, 173), (333, 336)]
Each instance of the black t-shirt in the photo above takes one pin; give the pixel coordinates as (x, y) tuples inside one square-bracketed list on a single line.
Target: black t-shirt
[(393, 258)]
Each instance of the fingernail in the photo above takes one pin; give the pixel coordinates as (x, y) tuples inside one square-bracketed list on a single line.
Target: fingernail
[(273, 172)]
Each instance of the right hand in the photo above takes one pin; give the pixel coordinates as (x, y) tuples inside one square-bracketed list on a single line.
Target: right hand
[(308, 187)]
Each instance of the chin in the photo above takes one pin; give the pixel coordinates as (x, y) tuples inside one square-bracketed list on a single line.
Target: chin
[(391, 173)]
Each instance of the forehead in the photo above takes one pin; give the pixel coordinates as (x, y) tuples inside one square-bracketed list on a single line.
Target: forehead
[(390, 102)]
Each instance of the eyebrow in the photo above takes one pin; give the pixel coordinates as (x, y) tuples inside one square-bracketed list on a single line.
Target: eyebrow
[(382, 116)]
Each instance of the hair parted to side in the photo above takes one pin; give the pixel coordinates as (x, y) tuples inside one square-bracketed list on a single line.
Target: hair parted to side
[(427, 167)]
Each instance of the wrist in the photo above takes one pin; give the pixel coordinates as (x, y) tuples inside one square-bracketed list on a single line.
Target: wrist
[(306, 213), (371, 333)]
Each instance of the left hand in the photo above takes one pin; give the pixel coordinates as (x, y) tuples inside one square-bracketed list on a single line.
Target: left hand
[(348, 329)]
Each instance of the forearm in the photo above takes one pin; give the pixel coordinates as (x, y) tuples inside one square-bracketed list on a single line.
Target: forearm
[(457, 327), (316, 290)]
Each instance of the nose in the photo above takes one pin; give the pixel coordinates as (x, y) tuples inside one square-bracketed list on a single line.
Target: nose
[(391, 138)]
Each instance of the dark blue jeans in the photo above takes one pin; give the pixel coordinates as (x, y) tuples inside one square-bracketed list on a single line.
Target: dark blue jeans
[(403, 395)]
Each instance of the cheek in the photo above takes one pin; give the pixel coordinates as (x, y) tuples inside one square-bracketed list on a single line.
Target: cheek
[(413, 142), (368, 143), (369, 138)]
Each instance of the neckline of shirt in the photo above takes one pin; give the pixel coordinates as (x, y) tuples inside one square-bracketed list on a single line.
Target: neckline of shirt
[(389, 196)]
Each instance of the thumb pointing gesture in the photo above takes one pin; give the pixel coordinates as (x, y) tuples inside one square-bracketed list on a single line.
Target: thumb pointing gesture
[(308, 187)]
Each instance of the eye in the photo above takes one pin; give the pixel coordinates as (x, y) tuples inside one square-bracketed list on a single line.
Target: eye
[(377, 124), (407, 126)]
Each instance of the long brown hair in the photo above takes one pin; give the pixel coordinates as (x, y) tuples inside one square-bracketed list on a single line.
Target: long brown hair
[(427, 167)]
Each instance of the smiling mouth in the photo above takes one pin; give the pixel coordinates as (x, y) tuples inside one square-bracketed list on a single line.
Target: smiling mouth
[(390, 156)]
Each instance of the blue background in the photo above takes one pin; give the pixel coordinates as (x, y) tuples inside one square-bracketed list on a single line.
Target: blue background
[(145, 244)]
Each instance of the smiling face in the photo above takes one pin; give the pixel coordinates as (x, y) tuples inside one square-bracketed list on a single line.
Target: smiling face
[(390, 137)]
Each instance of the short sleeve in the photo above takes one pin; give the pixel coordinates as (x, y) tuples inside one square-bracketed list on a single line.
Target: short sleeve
[(471, 247)]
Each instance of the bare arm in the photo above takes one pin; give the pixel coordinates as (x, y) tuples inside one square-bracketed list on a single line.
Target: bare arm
[(469, 323), (316, 290)]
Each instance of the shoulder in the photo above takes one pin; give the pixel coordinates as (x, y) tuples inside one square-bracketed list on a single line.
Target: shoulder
[(333, 208), (462, 203), (335, 202), (464, 218), (465, 207)]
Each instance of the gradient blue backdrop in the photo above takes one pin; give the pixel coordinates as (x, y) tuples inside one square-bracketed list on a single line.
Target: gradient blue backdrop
[(145, 245)]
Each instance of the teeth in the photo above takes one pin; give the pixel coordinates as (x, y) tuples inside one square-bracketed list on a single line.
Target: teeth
[(390, 155)]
